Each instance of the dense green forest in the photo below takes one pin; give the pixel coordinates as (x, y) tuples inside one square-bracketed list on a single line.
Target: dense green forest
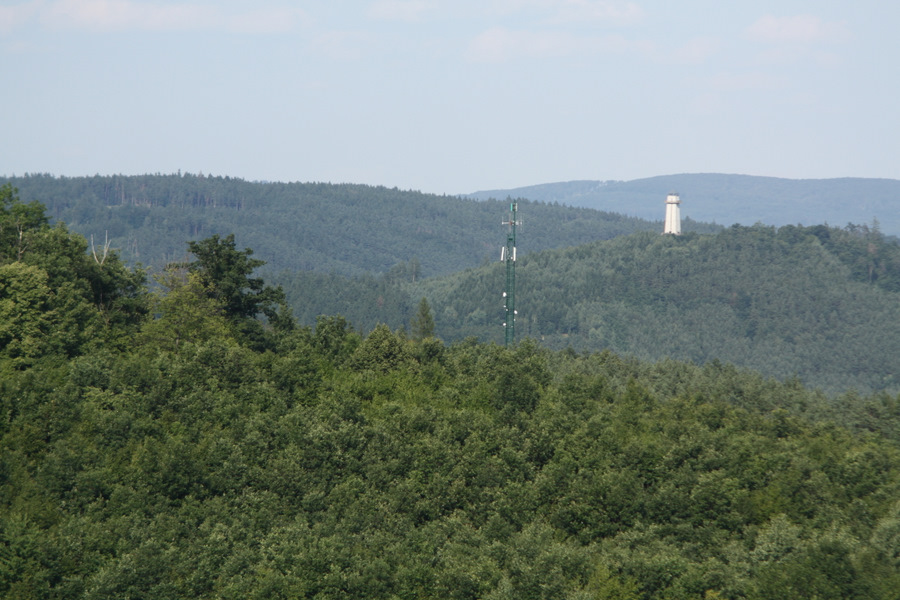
[(819, 303), (196, 442), (308, 227), (813, 302)]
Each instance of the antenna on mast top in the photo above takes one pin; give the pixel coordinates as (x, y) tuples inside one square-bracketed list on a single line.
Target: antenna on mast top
[(508, 255)]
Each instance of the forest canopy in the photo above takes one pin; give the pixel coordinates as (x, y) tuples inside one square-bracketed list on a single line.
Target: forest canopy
[(820, 303), (154, 444), (343, 229)]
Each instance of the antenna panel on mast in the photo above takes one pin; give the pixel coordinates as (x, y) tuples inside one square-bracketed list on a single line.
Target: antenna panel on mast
[(508, 255)]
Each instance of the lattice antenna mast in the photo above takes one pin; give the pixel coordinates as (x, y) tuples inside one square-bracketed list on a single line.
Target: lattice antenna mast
[(508, 255)]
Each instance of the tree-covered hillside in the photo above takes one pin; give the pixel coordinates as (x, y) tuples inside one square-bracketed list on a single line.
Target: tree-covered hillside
[(818, 303), (173, 445), (728, 199), (342, 229)]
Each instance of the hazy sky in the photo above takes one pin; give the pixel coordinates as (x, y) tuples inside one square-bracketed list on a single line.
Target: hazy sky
[(450, 96)]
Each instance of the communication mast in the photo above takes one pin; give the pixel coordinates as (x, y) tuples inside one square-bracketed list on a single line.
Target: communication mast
[(508, 255)]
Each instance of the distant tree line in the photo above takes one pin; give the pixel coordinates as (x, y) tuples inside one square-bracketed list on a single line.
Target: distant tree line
[(344, 229)]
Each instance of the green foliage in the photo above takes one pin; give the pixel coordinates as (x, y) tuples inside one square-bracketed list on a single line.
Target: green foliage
[(782, 302), (335, 338), (54, 298), (423, 324), (191, 463), (220, 471), (226, 274), (37, 320), (346, 229), (381, 351), (17, 222), (187, 311), (364, 301)]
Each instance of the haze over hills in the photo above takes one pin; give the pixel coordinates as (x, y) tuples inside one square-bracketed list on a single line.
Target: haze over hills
[(363, 252), (329, 228), (728, 199)]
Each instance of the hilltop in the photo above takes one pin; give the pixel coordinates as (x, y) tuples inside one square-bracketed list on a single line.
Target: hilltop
[(589, 280), (326, 228), (729, 199), (818, 303)]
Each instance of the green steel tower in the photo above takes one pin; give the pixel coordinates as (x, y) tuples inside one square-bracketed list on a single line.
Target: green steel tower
[(508, 255)]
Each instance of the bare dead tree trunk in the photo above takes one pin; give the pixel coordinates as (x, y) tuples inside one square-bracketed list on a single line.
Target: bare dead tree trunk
[(100, 261)]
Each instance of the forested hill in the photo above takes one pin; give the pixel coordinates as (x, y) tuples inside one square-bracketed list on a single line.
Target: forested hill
[(174, 445), (819, 303), (343, 229), (729, 199)]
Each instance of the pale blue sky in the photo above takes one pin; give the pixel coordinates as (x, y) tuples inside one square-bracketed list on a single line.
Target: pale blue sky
[(450, 96)]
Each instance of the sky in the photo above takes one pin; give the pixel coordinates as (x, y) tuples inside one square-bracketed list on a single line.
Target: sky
[(450, 96)]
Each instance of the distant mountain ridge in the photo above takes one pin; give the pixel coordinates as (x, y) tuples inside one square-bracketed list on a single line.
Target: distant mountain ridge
[(346, 229), (819, 303), (728, 199)]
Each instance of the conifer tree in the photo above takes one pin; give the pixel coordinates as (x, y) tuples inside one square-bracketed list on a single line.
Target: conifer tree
[(423, 324), (226, 272)]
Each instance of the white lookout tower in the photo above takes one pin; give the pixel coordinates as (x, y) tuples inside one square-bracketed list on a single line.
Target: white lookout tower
[(673, 215)]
